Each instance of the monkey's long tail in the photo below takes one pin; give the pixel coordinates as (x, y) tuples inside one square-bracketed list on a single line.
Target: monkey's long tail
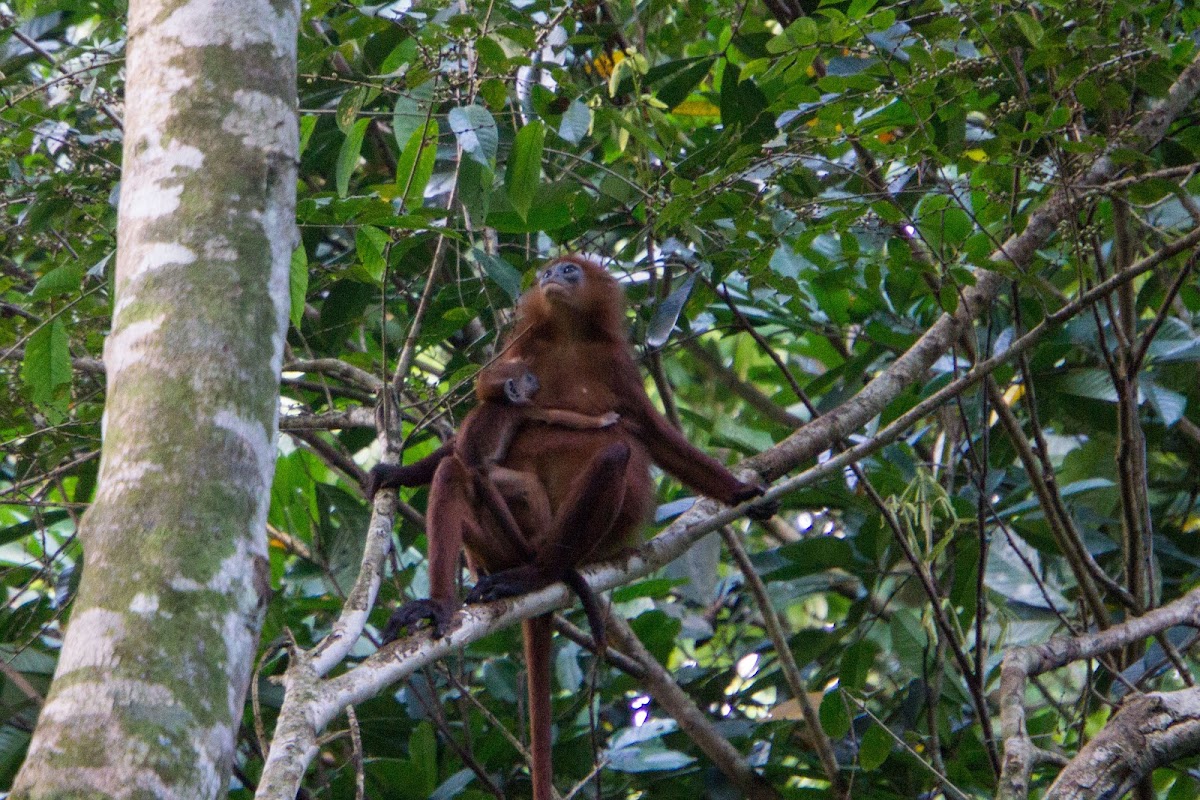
[(536, 633)]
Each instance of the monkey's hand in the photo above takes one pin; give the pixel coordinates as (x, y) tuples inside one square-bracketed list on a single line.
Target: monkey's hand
[(410, 614), (759, 511), (381, 476)]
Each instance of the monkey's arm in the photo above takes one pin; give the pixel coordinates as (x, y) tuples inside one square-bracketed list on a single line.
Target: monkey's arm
[(682, 459), (572, 419), (419, 473)]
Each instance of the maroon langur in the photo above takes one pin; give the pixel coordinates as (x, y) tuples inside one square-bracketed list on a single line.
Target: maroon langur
[(570, 334), (472, 479)]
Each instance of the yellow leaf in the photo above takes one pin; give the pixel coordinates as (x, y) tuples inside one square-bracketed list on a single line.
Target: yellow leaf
[(697, 108), (603, 65), (976, 154), (1014, 393)]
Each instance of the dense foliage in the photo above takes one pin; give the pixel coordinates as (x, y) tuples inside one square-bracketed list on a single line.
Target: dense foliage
[(792, 193)]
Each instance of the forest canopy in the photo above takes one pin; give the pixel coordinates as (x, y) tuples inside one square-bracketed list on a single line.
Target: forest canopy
[(926, 266)]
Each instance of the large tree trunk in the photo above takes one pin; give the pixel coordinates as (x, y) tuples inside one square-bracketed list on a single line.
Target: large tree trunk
[(147, 698)]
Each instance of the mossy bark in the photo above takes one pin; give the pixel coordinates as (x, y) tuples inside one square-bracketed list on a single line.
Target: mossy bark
[(148, 694)]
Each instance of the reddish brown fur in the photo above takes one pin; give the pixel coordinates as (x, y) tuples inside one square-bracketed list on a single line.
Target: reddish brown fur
[(570, 333), (572, 337), (470, 495)]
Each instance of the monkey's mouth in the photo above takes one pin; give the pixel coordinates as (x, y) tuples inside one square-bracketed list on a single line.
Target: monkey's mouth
[(553, 288)]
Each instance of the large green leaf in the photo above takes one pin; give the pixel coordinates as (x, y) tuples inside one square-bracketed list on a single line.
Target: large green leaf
[(46, 369), (347, 160), (524, 172)]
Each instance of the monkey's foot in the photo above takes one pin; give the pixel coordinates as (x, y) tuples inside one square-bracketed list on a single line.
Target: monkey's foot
[(506, 583), (411, 614)]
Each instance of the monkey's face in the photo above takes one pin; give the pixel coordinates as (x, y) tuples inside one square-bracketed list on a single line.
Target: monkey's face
[(560, 282), (521, 389)]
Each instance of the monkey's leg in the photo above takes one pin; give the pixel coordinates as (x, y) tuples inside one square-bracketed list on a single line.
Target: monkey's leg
[(523, 489), (585, 517), (449, 517), (501, 486)]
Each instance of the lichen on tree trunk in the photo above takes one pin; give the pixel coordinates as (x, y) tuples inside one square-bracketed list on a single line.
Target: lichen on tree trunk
[(148, 694)]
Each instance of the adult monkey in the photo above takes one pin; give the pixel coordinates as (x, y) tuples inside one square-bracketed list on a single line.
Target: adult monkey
[(472, 494), (570, 332)]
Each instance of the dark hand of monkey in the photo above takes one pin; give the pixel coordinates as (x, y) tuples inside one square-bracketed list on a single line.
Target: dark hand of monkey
[(419, 473), (380, 476), (417, 611), (759, 511)]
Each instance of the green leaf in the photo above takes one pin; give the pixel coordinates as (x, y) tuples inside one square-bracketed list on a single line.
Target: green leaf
[(298, 284), (46, 369), (491, 54), (410, 112), (859, 8), (666, 313), (59, 281), (348, 108), (805, 557), (475, 182), (500, 272), (308, 124), (744, 104), (454, 785), (524, 171), (576, 122), (1092, 383), (476, 132), (802, 33), (1168, 405), (834, 717), (875, 748), (910, 642), (422, 752), (677, 89), (371, 244), (415, 165), (401, 54), (856, 665), (647, 759), (1030, 27), (948, 297), (348, 156)]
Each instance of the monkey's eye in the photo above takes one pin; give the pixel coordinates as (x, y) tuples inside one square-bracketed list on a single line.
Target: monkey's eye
[(569, 269)]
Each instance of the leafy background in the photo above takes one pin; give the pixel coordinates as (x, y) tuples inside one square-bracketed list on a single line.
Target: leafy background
[(792, 193)]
